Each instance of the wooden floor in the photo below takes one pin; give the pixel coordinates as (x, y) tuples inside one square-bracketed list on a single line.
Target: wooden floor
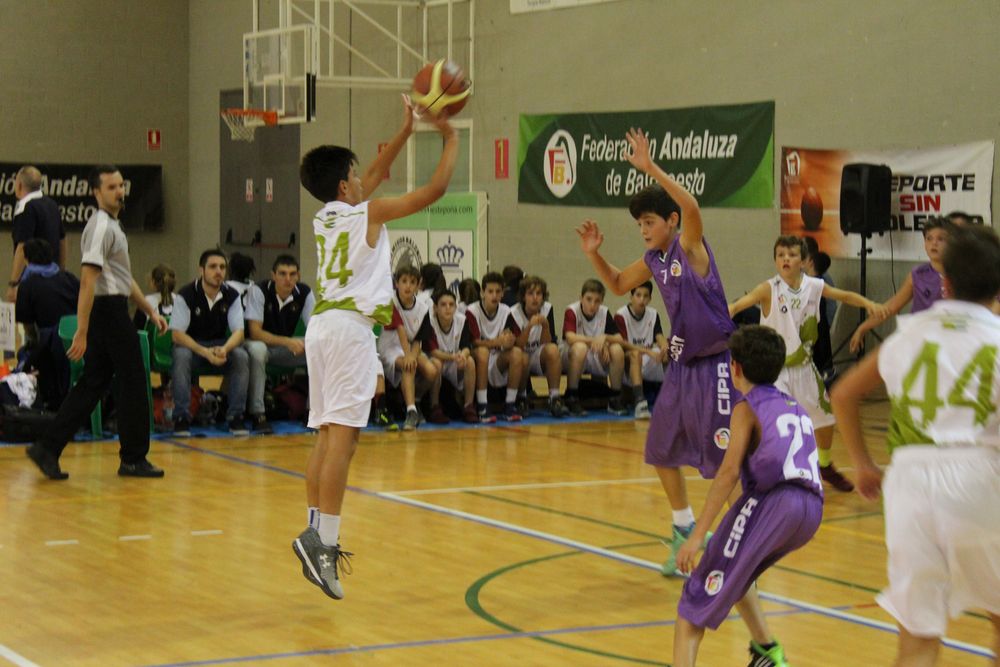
[(522, 545)]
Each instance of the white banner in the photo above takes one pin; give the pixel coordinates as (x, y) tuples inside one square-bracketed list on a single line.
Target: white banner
[(521, 6), (926, 183)]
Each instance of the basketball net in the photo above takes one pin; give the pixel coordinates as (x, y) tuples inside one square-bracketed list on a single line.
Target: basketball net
[(241, 122)]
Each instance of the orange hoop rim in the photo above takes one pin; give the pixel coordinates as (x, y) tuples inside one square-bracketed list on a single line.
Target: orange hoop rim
[(269, 116)]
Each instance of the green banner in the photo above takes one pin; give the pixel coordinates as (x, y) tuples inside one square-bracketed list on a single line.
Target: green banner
[(723, 155)]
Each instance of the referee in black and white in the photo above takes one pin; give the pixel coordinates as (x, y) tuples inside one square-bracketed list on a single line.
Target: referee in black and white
[(106, 340)]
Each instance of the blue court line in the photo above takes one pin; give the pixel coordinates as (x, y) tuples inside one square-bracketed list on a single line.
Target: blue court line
[(830, 612), (452, 640)]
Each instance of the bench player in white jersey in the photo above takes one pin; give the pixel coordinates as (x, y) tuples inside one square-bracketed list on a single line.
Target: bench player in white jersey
[(789, 304), (646, 348), (402, 346), (592, 344), (532, 323), (941, 369), (498, 361), (353, 291), (450, 349)]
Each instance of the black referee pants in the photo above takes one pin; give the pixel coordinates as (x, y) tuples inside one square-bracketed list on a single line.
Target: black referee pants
[(113, 353)]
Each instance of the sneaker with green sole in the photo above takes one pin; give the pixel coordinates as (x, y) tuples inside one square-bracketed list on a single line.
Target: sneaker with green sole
[(677, 540), (772, 657)]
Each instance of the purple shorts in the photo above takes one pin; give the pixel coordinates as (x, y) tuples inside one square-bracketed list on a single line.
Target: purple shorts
[(755, 534), (690, 423)]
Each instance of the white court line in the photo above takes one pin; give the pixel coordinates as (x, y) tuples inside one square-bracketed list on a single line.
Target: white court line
[(15, 658), (649, 565), (536, 485), (199, 533), (61, 543), (133, 538)]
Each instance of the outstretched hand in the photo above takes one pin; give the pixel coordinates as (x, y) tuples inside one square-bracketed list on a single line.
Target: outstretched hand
[(409, 114), (639, 156), (591, 237)]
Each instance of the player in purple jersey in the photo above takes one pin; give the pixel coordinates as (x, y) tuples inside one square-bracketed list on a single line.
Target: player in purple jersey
[(690, 422), (773, 452)]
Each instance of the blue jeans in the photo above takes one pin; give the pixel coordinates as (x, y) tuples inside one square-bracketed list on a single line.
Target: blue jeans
[(236, 369), (262, 354)]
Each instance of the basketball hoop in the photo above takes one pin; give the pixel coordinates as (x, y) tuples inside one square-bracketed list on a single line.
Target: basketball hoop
[(243, 122)]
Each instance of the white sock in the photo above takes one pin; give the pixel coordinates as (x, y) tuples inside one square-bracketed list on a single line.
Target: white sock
[(411, 408), (329, 529), (683, 518), (553, 393), (511, 395), (481, 396), (314, 517)]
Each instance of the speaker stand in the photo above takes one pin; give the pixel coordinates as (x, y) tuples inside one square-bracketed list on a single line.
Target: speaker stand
[(863, 291)]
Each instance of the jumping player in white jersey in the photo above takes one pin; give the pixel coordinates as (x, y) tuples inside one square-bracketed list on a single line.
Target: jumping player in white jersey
[(353, 291), (789, 304), (941, 369)]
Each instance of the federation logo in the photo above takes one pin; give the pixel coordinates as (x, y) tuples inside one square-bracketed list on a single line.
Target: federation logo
[(405, 252), (560, 163), (721, 438), (714, 581), (675, 268)]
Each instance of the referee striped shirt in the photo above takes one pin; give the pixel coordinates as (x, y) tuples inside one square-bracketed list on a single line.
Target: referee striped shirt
[(104, 245)]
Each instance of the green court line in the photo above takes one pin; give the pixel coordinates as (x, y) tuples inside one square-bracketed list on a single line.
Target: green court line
[(472, 602)]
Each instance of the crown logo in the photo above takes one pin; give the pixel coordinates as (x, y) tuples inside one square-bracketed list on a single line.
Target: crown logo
[(450, 255)]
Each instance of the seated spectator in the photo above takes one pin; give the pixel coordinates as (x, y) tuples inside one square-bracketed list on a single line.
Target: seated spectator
[(512, 277), (451, 352), (163, 281), (533, 325), (36, 216), (468, 293), (499, 361), (645, 345), (431, 281), (241, 271), (401, 348), (45, 295), (274, 309), (207, 329), (592, 345)]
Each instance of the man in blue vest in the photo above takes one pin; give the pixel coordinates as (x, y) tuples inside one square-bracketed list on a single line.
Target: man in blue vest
[(274, 309), (207, 329)]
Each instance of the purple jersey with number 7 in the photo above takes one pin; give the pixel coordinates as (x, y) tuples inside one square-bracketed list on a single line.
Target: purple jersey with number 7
[(787, 452)]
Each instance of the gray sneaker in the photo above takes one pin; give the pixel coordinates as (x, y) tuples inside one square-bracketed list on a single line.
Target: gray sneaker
[(321, 564), (412, 420), (642, 410)]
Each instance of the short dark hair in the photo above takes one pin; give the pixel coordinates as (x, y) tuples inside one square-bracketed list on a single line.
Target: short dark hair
[(648, 285), (789, 241), (439, 294), (944, 223), (38, 251), (821, 262), (283, 260), (99, 170), (323, 168), (965, 217), (812, 246), (212, 252), (592, 285), (468, 290), (432, 277), (653, 199), (241, 267), (406, 270), (760, 351), (972, 263), (512, 276), (532, 281), (492, 278)]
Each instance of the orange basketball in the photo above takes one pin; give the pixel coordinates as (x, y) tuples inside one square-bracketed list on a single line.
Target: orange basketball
[(441, 87), (811, 209)]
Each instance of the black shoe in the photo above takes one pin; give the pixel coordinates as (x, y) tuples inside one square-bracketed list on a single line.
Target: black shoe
[(260, 425), (182, 427), (238, 426), (573, 405), (616, 406), (523, 406), (46, 461), (142, 468), (557, 408)]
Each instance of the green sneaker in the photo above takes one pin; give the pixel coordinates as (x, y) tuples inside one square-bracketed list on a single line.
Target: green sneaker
[(772, 657), (680, 535)]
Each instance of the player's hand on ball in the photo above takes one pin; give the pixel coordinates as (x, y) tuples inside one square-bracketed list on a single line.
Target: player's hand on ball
[(869, 481), (410, 114), (687, 556), (590, 235), (639, 156)]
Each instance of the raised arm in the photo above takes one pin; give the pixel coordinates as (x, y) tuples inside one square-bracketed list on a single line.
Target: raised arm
[(895, 304), (761, 294), (875, 310), (617, 280), (373, 175)]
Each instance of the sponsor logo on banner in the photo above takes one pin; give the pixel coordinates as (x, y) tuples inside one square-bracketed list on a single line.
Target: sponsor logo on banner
[(560, 163), (714, 581), (406, 252)]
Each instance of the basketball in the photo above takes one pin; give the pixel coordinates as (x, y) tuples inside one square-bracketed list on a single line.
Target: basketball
[(441, 87), (811, 209)]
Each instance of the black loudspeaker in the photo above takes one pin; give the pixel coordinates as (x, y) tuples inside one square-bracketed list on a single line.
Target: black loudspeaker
[(864, 198)]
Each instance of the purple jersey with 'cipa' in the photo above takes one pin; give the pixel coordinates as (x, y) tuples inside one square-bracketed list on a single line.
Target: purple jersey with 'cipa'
[(927, 287), (699, 314), (787, 452)]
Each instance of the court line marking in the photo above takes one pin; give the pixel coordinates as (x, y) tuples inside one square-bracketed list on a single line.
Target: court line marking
[(16, 658), (202, 533), (555, 539), (530, 485), (631, 560), (133, 538), (61, 543)]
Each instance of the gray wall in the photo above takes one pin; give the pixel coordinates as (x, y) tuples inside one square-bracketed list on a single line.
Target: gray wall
[(82, 82)]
